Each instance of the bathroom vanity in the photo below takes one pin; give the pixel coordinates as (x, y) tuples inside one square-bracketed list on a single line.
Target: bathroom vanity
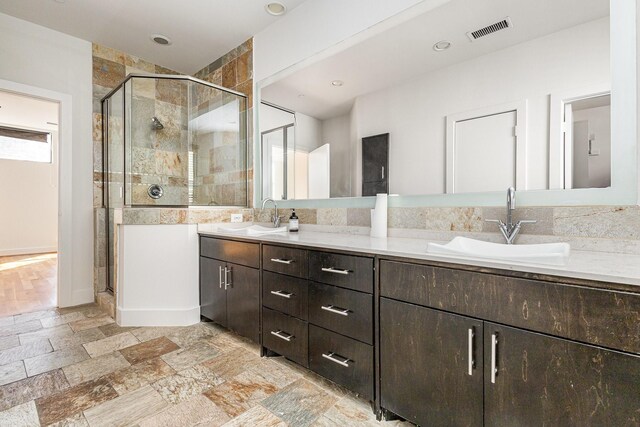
[(437, 340)]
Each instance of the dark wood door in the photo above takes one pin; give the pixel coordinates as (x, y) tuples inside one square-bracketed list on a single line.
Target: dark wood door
[(542, 380), (424, 362), (213, 297), (243, 301), (375, 164)]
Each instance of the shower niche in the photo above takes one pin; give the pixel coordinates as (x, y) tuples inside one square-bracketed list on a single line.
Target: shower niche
[(174, 141)]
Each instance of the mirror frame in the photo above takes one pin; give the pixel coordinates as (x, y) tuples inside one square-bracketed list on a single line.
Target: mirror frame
[(624, 133)]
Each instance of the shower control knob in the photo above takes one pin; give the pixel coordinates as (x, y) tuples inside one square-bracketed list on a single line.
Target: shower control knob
[(155, 191)]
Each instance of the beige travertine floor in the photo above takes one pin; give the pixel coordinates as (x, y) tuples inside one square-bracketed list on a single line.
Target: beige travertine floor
[(77, 367), (27, 283)]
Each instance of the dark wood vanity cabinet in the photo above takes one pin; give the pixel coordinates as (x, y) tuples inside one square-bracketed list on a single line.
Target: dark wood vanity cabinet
[(318, 312), (442, 368), (431, 365), (230, 291)]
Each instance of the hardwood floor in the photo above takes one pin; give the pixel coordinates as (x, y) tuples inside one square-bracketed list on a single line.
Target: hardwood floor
[(27, 283)]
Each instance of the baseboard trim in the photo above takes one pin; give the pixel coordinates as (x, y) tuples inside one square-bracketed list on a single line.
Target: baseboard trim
[(157, 317), (28, 251)]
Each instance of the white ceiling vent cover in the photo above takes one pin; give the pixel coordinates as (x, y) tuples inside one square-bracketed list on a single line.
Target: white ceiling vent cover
[(490, 29)]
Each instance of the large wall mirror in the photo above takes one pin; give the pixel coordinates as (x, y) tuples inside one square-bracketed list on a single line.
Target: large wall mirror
[(461, 102)]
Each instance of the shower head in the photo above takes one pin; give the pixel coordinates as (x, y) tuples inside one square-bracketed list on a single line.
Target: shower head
[(157, 125)]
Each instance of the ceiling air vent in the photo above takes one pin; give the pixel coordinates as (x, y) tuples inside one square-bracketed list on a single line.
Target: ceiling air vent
[(490, 29)]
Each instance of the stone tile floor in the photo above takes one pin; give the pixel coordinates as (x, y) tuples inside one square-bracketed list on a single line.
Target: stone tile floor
[(76, 367)]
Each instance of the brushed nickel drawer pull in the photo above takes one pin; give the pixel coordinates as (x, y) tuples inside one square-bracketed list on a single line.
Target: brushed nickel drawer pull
[(471, 362), (282, 294), (335, 270), (494, 363), (334, 358), (282, 335), (336, 310), (282, 261)]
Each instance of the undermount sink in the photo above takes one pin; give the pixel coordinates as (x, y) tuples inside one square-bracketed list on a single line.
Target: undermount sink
[(545, 253), (253, 230)]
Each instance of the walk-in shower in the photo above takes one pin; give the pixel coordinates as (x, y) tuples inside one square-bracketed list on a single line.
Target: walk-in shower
[(172, 141)]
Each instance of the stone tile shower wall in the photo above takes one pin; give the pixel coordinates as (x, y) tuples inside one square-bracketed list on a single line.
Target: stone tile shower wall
[(219, 180), (159, 155), (110, 67)]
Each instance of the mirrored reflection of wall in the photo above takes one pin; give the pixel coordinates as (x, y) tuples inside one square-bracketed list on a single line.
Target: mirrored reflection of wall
[(591, 142), (525, 63)]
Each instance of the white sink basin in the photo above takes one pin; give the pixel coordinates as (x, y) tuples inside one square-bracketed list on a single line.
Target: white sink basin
[(546, 253), (252, 230)]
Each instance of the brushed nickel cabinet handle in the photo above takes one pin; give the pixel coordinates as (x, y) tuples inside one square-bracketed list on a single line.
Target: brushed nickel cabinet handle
[(494, 350), (282, 335), (335, 270), (336, 359), (282, 294), (220, 276), (335, 310), (472, 362), (282, 261), (228, 273)]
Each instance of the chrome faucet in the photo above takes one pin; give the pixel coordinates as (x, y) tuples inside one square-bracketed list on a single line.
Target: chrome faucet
[(510, 230), (275, 219)]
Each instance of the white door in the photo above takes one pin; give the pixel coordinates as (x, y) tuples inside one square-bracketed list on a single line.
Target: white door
[(319, 172), (485, 153)]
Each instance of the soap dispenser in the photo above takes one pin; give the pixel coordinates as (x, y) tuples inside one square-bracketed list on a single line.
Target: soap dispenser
[(293, 221)]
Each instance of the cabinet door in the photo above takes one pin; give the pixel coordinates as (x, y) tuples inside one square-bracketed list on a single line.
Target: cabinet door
[(424, 361), (213, 297), (542, 380), (243, 301)]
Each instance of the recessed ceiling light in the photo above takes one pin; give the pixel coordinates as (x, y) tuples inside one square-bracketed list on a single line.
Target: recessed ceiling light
[(442, 45), (337, 83), (275, 8), (161, 39)]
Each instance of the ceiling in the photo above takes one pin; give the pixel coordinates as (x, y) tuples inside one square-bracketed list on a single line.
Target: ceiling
[(201, 30), (406, 51)]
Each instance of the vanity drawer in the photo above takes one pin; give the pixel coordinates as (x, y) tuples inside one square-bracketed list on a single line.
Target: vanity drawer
[(291, 261), (346, 271), (341, 310), (406, 282), (343, 360), (285, 293), (242, 253), (285, 335)]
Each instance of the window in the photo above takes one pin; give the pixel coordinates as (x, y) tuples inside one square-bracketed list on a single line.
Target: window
[(23, 144)]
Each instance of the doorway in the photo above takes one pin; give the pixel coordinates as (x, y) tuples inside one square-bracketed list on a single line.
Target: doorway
[(29, 171)]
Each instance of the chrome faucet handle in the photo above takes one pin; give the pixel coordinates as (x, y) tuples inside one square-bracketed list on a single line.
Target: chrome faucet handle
[(527, 221), (496, 221)]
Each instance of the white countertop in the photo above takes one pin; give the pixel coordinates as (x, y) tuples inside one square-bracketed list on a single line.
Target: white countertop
[(597, 266)]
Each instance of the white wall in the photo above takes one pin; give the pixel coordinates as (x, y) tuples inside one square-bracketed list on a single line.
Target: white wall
[(308, 134), (337, 133), (29, 190), (36, 56), (414, 113), (158, 275), (317, 25)]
